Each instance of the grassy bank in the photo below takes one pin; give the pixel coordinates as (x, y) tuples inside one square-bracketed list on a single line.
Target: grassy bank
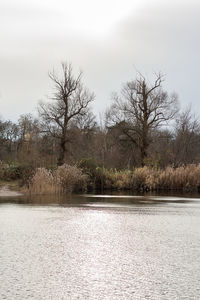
[(183, 178), (87, 176)]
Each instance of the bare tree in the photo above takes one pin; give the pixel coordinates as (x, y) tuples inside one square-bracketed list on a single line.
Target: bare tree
[(8, 137), (140, 108), (186, 138), (69, 101)]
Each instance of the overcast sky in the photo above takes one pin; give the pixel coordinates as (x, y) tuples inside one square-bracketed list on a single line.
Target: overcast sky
[(109, 40)]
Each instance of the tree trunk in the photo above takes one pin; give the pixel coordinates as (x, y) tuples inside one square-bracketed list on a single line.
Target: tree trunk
[(62, 151), (144, 147), (143, 155)]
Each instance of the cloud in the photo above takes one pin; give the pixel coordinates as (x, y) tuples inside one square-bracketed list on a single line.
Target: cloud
[(159, 36)]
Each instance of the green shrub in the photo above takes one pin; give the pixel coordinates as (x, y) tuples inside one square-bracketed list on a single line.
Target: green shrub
[(3, 169), (96, 176), (16, 171), (120, 180)]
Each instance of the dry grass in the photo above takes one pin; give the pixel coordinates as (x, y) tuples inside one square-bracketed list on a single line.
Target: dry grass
[(69, 177), (42, 182), (186, 178), (182, 178), (66, 179), (143, 178), (63, 180)]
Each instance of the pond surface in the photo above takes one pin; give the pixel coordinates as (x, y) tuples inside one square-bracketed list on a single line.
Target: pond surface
[(100, 247)]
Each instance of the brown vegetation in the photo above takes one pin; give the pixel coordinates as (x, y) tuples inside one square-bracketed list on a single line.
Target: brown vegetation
[(88, 176), (185, 178), (130, 149), (62, 180)]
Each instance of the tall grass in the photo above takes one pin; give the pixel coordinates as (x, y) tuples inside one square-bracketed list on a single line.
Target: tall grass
[(64, 179), (182, 178), (186, 178), (69, 178), (42, 182)]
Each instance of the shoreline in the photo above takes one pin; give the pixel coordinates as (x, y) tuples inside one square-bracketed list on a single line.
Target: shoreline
[(6, 192)]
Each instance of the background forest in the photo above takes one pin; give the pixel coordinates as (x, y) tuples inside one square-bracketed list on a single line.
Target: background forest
[(143, 126)]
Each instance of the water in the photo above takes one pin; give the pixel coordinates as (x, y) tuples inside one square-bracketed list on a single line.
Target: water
[(99, 247)]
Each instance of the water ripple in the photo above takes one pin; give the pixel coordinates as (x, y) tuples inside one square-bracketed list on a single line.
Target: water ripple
[(100, 251)]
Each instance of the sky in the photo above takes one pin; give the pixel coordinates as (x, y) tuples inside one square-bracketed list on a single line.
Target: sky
[(109, 40)]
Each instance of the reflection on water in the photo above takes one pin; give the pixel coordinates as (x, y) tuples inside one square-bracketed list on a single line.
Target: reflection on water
[(99, 247)]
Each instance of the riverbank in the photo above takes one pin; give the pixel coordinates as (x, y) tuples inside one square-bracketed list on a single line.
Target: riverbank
[(9, 190), (87, 176)]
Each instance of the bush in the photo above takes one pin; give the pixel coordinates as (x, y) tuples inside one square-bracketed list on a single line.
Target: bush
[(120, 180), (3, 168), (15, 171), (96, 176)]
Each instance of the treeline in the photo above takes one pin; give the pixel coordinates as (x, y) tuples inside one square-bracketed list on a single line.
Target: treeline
[(25, 142), (133, 131)]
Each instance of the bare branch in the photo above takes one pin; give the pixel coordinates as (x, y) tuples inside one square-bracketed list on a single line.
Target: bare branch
[(71, 99)]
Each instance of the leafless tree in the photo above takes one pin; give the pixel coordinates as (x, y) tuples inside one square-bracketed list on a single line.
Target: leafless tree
[(186, 138), (142, 107), (70, 100)]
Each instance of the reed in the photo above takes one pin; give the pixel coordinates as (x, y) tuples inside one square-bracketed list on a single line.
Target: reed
[(63, 180), (69, 178), (186, 178), (42, 182), (66, 179)]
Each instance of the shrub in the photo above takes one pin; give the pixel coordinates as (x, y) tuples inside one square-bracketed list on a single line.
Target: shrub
[(16, 171), (3, 168), (115, 179), (96, 176)]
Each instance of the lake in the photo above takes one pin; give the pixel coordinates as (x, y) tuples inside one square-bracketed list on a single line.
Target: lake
[(100, 247)]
